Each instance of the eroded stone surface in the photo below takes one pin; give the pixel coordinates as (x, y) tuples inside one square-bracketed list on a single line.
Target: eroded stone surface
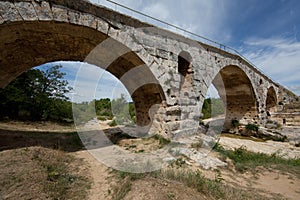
[(26, 10), (36, 32)]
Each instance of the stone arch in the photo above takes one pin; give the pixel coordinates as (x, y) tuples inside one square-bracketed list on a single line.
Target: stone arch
[(236, 90), (185, 69), (271, 100), (31, 43), (184, 63)]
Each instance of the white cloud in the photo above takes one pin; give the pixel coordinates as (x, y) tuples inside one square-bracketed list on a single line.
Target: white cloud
[(205, 18), (279, 58)]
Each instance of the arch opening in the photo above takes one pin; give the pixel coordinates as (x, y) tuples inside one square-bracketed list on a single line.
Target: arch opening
[(184, 63), (30, 44), (235, 89), (271, 101)]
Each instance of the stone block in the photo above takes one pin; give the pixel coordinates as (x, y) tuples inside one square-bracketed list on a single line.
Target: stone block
[(60, 13), (88, 20), (1, 20), (27, 11), (74, 17), (43, 11), (9, 12), (102, 26)]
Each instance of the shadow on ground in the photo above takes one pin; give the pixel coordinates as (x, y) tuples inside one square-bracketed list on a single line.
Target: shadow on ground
[(15, 139), (65, 141)]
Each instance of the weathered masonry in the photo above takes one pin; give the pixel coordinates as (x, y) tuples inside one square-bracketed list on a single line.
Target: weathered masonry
[(171, 73)]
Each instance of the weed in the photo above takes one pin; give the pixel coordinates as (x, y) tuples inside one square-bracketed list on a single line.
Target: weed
[(171, 195), (122, 189), (235, 123), (101, 118), (112, 123), (251, 127), (124, 186), (214, 189), (246, 160), (197, 145), (162, 141)]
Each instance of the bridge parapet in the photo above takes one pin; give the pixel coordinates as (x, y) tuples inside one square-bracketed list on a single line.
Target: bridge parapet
[(39, 31)]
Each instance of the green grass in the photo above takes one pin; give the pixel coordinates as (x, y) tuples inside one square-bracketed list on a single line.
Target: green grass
[(213, 189), (113, 123), (246, 160), (162, 141)]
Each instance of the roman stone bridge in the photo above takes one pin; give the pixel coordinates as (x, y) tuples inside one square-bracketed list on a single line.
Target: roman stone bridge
[(167, 74)]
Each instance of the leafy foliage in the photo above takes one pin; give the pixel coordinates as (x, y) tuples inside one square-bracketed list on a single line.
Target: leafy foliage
[(124, 113), (235, 123), (37, 95), (251, 127), (212, 107)]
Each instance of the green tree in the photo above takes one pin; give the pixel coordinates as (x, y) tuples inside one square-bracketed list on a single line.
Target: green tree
[(212, 107), (37, 95), (123, 111)]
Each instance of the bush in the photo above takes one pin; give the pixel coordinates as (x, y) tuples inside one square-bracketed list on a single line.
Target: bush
[(101, 118), (251, 127), (235, 123), (113, 123)]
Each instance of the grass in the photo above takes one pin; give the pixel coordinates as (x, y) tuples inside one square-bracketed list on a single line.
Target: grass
[(213, 189), (41, 173), (161, 140), (125, 182), (112, 123), (246, 160)]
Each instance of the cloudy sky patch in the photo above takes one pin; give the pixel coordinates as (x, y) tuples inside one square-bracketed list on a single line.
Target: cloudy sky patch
[(265, 32)]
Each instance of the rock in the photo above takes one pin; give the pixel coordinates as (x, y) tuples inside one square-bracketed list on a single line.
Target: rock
[(271, 135), (200, 158)]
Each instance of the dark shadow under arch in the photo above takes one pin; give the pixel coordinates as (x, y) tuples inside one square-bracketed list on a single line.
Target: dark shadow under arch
[(271, 100), (235, 88)]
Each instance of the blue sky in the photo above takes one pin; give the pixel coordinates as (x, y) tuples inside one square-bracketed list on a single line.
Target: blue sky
[(266, 32)]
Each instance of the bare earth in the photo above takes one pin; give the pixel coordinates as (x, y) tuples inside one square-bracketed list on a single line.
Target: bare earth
[(268, 182)]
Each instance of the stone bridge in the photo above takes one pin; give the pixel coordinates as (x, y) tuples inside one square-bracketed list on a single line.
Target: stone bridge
[(158, 67)]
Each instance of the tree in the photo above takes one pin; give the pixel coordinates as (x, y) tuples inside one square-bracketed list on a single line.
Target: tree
[(123, 111), (212, 107), (37, 95)]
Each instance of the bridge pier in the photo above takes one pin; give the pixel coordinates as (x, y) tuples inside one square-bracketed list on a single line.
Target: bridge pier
[(167, 74)]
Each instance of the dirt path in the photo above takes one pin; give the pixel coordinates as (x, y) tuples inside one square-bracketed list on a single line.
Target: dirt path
[(100, 176), (264, 181)]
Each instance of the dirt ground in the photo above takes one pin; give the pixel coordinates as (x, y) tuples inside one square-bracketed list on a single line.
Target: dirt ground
[(270, 183)]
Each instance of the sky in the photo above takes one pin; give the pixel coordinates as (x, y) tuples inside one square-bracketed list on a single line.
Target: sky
[(265, 32)]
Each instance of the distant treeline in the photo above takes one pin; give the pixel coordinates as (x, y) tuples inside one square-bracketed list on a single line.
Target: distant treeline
[(212, 107), (38, 95)]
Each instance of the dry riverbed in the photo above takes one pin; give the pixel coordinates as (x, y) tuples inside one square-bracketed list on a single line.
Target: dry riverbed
[(105, 183)]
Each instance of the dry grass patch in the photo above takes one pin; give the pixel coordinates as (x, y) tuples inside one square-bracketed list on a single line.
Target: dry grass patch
[(41, 173)]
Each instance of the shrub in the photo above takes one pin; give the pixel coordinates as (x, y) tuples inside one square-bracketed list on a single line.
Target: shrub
[(251, 127), (235, 123), (101, 118), (113, 123)]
